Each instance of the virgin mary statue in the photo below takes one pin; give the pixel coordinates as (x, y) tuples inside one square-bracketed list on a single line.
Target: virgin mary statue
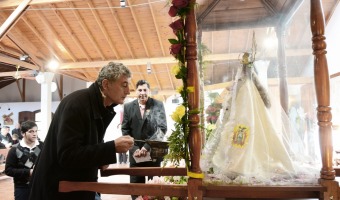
[(246, 146)]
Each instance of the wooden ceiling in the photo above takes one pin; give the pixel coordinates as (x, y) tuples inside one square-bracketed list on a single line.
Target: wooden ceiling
[(84, 35)]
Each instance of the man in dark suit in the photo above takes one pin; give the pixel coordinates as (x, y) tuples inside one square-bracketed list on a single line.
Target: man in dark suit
[(144, 119)]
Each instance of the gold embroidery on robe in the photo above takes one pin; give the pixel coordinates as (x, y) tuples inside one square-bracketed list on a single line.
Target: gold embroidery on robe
[(240, 136)]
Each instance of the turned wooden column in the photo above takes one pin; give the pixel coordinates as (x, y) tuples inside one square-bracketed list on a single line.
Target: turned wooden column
[(195, 138), (281, 56), (321, 78), (193, 97)]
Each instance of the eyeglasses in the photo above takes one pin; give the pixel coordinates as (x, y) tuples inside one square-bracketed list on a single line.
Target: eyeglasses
[(32, 131)]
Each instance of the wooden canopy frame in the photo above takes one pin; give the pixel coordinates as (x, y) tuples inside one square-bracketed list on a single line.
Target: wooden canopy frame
[(195, 189)]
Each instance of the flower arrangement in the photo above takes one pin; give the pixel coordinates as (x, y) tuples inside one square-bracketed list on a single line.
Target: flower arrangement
[(178, 140), (213, 112)]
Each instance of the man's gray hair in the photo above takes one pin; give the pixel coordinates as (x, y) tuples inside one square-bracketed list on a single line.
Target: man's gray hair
[(112, 72)]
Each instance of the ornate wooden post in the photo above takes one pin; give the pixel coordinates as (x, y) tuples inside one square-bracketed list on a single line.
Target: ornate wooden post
[(324, 115), (281, 35), (321, 78), (195, 138)]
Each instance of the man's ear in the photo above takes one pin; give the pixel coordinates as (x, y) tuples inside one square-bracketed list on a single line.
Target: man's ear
[(105, 83)]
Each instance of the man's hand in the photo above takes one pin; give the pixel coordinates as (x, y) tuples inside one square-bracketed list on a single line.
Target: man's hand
[(104, 167), (140, 152), (123, 143)]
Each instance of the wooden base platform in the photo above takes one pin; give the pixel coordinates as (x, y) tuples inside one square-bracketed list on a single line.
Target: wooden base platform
[(211, 191)]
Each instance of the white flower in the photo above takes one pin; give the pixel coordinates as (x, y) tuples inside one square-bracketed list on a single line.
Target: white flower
[(177, 178)]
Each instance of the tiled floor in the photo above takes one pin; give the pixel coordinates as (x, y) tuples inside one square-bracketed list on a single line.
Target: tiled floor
[(6, 186)]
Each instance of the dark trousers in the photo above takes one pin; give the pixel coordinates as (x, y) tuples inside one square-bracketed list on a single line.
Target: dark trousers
[(142, 179), (123, 158), (21, 192)]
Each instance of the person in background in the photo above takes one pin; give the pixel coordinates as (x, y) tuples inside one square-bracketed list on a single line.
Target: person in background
[(144, 119), (21, 159), (2, 146), (17, 130), (15, 139), (74, 148), (5, 137), (122, 156)]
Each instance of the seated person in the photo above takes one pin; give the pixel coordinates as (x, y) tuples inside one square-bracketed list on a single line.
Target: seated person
[(5, 137), (2, 145)]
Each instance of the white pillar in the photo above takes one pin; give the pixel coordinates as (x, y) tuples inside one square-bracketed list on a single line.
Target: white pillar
[(45, 80)]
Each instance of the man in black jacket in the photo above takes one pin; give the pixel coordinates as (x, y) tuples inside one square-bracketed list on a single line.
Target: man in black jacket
[(74, 149), (144, 119)]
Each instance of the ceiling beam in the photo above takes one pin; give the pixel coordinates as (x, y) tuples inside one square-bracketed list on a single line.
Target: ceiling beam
[(103, 29), (206, 12), (120, 27), (22, 74), (10, 50), (135, 20), (13, 61), (268, 22), (13, 18), (156, 27), (19, 39), (129, 62), (160, 43), (67, 28), (268, 5), (15, 3), (40, 37), (286, 19), (86, 30), (57, 39), (169, 60), (271, 82)]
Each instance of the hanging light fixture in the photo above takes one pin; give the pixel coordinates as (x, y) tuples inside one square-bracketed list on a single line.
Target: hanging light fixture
[(122, 3), (17, 75), (24, 57), (148, 67)]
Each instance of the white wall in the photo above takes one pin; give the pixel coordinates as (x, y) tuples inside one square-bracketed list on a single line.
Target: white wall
[(15, 108), (11, 92)]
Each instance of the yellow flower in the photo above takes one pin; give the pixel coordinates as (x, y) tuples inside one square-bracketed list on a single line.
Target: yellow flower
[(211, 126), (175, 70), (179, 89), (178, 113), (190, 89)]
